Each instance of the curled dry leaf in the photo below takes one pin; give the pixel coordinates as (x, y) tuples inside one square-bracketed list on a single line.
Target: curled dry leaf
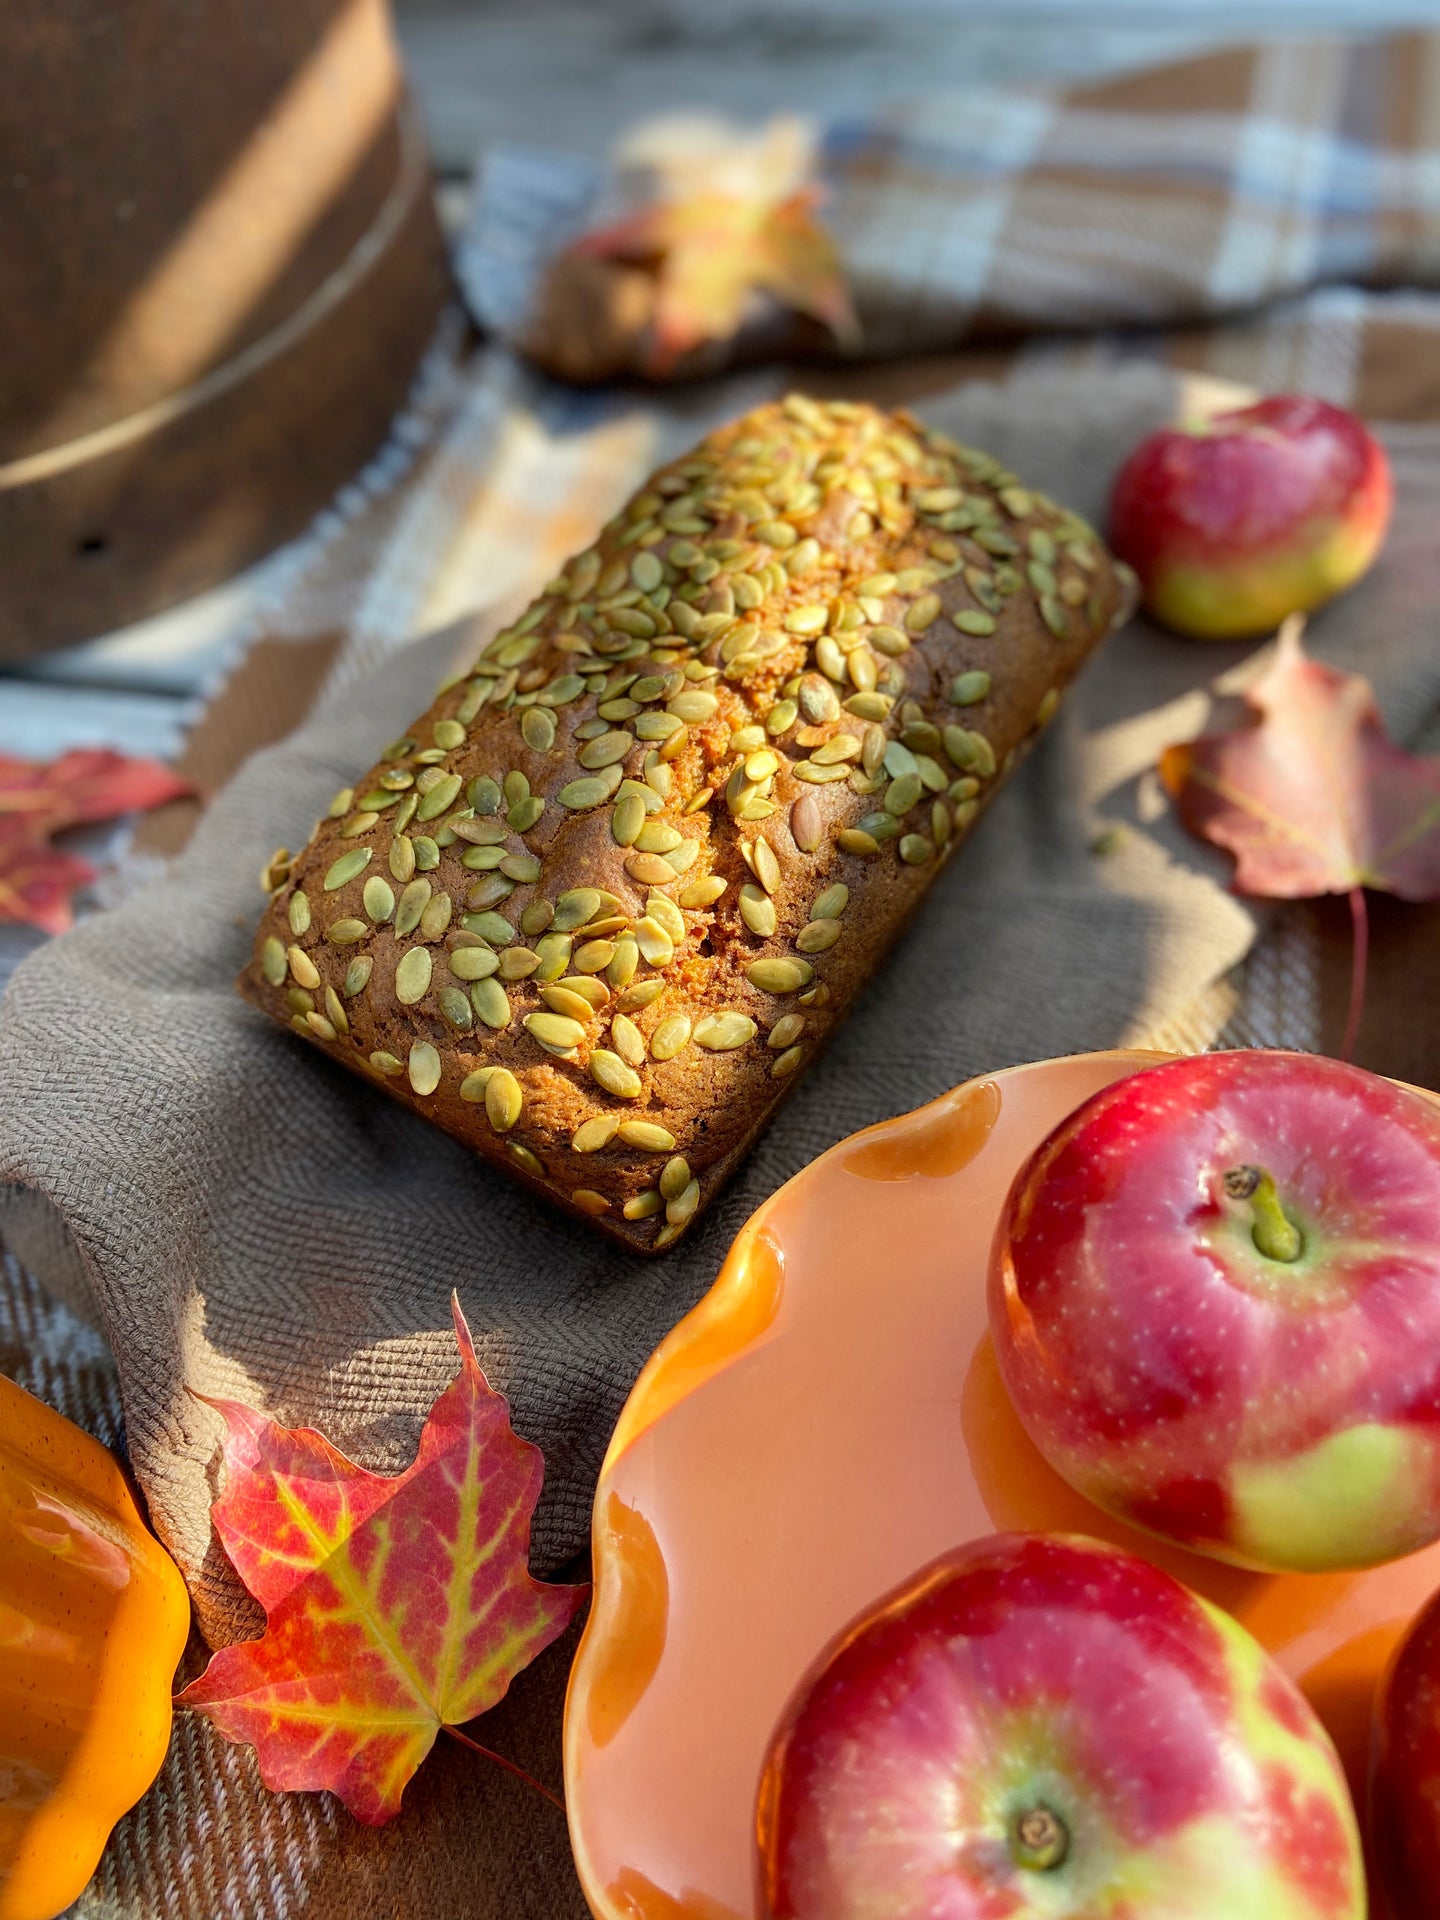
[(393, 1606), (1313, 797), (41, 798), (37, 879), (715, 221)]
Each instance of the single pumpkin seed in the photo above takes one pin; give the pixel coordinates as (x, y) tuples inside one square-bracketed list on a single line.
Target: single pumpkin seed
[(671, 1037), (626, 819), (537, 729), (592, 1135), (306, 973), (647, 1135), (830, 904), (628, 1039), (580, 795), (473, 963), (643, 1205), (412, 975), (785, 1032), (320, 1026), (455, 1008), (674, 1178), (915, 850), (402, 859), (504, 1101), (757, 910), (348, 867), (703, 893), (386, 1063), (344, 933), (724, 1031), (608, 1070), (436, 917), (901, 794), (472, 1087), (357, 975), (440, 797), (806, 825), (682, 1207), (968, 689), (378, 898), (424, 1068), (489, 1000), (274, 961), (654, 942), (556, 1032), (518, 963), (818, 936), (778, 975), (786, 1062), (299, 910), (853, 840)]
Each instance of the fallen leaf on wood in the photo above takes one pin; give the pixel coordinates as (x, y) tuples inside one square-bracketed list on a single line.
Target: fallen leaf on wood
[(37, 879), (1313, 796), (393, 1606), (86, 784)]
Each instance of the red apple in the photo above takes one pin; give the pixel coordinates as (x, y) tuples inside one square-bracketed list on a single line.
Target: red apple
[(1039, 1727), (1215, 1299), (1242, 518), (1405, 1778)]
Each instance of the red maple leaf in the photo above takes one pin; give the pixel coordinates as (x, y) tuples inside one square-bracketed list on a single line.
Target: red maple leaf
[(37, 880), (1312, 796), (88, 783), (40, 798), (393, 1606)]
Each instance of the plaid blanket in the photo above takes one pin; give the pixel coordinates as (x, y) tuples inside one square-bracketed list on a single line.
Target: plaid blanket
[(1268, 216)]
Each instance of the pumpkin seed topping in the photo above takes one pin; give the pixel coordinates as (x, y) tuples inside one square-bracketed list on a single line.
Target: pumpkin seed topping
[(722, 1032), (504, 1102), (608, 1070), (348, 867)]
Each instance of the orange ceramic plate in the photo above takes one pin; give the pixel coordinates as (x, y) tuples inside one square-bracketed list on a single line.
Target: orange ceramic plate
[(829, 1418)]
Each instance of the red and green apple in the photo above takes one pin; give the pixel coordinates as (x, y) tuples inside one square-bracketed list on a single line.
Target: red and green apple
[(1041, 1727), (1215, 1300), (1238, 519), (1405, 1776)]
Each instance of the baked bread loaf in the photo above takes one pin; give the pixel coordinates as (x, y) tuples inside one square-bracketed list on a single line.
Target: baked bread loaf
[(599, 907)]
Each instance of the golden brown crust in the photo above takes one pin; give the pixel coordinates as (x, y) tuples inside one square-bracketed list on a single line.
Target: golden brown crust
[(617, 885)]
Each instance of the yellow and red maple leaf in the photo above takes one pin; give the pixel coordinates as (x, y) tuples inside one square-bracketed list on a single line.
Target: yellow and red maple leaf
[(394, 1606), (711, 253)]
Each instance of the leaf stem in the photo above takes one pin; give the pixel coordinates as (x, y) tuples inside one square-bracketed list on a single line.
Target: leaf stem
[(1359, 967), (510, 1766)]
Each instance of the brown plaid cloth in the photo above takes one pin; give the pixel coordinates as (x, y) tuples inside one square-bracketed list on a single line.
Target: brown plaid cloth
[(1266, 214), (1269, 216)]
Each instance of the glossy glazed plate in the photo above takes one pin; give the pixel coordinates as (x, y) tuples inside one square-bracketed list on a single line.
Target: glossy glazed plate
[(829, 1418)]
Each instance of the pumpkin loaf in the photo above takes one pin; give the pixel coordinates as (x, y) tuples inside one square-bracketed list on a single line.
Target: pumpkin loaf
[(600, 905)]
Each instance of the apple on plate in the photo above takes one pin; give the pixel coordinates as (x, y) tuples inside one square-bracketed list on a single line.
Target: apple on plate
[(1215, 1301), (1236, 520), (1041, 1727), (1405, 1774)]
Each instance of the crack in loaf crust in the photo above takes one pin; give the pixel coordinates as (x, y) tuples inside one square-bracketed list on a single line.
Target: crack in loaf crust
[(608, 896)]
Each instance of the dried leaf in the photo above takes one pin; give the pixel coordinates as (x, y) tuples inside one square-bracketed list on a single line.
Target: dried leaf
[(37, 879), (89, 783), (393, 1606), (1312, 797)]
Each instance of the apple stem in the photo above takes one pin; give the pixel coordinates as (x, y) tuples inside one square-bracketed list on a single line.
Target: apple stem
[(1359, 964), (510, 1766), (1276, 1236), (1041, 1840)]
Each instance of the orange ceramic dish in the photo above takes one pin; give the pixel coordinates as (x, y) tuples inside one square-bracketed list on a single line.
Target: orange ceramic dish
[(93, 1618), (829, 1418)]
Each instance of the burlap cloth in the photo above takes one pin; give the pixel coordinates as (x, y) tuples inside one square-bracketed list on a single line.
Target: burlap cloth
[(236, 1216)]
